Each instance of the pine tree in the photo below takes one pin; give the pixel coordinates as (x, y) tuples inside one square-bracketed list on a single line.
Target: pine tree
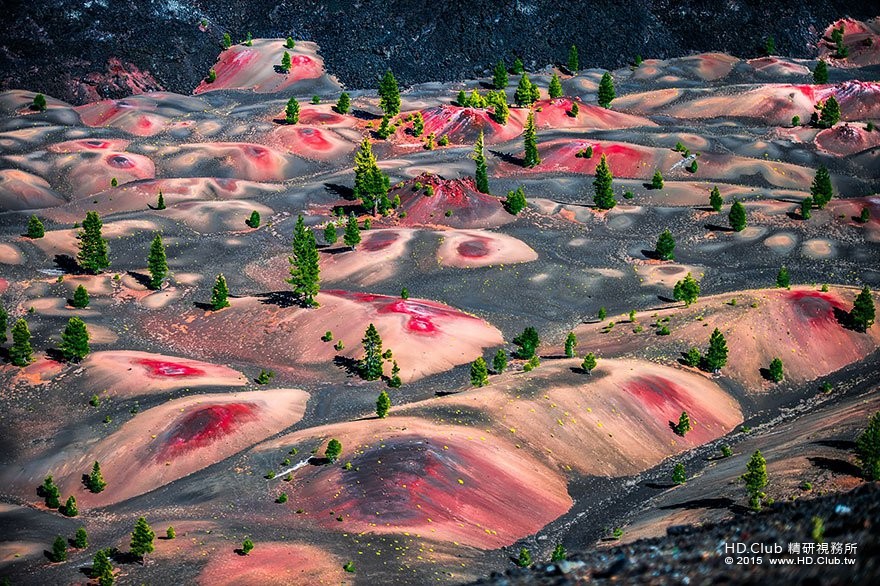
[(248, 40), (285, 62), (59, 550), (606, 90), (555, 88), (389, 95), (770, 45), (559, 554), (70, 509), (604, 198), (500, 110), (253, 220), (657, 180), (666, 246), (462, 99), (80, 297), (862, 313), (219, 294), (383, 404), (333, 451), (74, 340), (783, 280), (821, 189), (49, 490), (96, 482), (806, 208), (35, 228), (686, 290), (418, 124), (21, 353), (679, 475), (499, 361), (93, 252), (575, 109), (102, 569), (479, 372), (157, 263), (715, 199), (370, 365), (524, 95), (830, 114), (227, 40), (81, 538), (517, 68), (481, 176), (528, 342), (570, 344), (820, 74), (305, 274), (776, 372), (370, 183), (589, 363), (868, 448), (142, 539), (573, 62), (395, 381), (716, 355), (499, 75), (160, 203), (39, 103), (525, 558), (289, 43), (515, 202), (737, 216), (864, 215), (291, 111), (330, 235), (352, 235), (530, 138), (170, 533), (755, 479), (684, 424), (344, 103)]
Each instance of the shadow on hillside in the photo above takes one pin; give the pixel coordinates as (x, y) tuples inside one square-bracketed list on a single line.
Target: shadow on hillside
[(836, 466)]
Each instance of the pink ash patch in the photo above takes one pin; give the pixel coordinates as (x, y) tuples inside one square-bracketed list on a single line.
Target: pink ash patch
[(163, 368), (205, 426)]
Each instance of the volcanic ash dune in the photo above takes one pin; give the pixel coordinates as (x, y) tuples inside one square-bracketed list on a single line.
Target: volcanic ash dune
[(273, 564)]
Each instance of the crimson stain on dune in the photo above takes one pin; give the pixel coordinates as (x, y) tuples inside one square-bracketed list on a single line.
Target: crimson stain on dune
[(205, 426), (380, 241), (476, 248), (422, 314), (120, 162), (665, 401), (815, 308), (314, 139), (161, 368)]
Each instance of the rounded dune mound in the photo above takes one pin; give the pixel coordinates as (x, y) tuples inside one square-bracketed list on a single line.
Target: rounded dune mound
[(847, 139), (862, 39), (216, 216), (64, 242), (20, 190), (312, 142), (126, 373), (615, 421), (851, 210), (441, 483), (480, 248), (454, 202), (463, 126), (19, 101), (258, 68), (178, 438), (426, 337), (554, 113), (9, 255), (235, 160), (142, 114), (273, 564), (776, 68), (89, 144)]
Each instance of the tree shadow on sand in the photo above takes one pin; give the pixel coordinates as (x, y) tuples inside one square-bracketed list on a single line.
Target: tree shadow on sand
[(714, 504), (845, 320), (342, 191), (281, 299), (836, 466), (141, 278), (846, 445), (349, 365), (67, 263), (507, 158), (717, 228)]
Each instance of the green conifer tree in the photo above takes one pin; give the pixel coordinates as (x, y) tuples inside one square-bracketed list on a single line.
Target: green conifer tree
[(330, 234), (344, 103), (389, 95), (81, 538), (499, 75), (657, 180), (59, 550), (352, 235), (776, 372), (715, 199), (333, 451), (291, 111), (74, 340), (570, 344), (39, 103), (96, 482), (499, 361), (70, 509), (821, 189), (606, 90), (371, 364), (305, 274), (820, 74), (573, 61), (589, 363), (686, 290), (830, 114), (285, 62), (481, 176), (555, 87), (716, 355), (783, 279), (530, 138), (755, 479), (868, 449), (524, 96), (383, 404), (142, 539), (370, 183), (604, 198), (666, 246), (21, 352), (737, 216), (157, 263), (479, 372), (93, 252), (80, 298), (863, 312), (220, 293), (35, 228), (806, 208), (679, 475)]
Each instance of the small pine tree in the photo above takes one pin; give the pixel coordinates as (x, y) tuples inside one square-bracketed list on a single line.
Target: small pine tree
[(481, 175), (821, 189), (528, 343), (806, 208), (389, 95), (59, 550), (305, 273), (657, 180), (693, 357), (693, 166), (394, 382), (737, 216), (679, 475), (39, 103), (289, 43), (35, 228), (830, 114), (170, 533), (517, 68), (589, 363), (795, 121), (666, 246), (524, 95), (606, 90), (574, 110), (227, 40), (291, 111), (573, 61), (499, 75), (93, 252), (157, 263), (253, 220), (330, 235), (684, 424), (865, 215), (418, 124), (499, 361), (500, 110), (80, 297), (602, 313), (285, 62), (160, 203), (559, 554), (863, 311), (212, 76), (344, 103), (333, 451), (755, 479), (525, 558), (715, 199), (555, 88), (783, 280), (570, 344), (479, 373), (248, 40), (604, 198), (70, 509), (21, 352), (515, 202), (220, 293), (462, 99), (96, 482), (868, 448), (81, 538), (820, 74), (247, 546), (352, 235), (51, 493), (370, 183), (776, 372), (102, 569), (383, 404), (142, 539), (530, 138), (370, 365), (770, 46), (716, 355), (686, 290)]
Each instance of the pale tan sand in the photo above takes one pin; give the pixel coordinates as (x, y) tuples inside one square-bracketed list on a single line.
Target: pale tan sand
[(480, 248)]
